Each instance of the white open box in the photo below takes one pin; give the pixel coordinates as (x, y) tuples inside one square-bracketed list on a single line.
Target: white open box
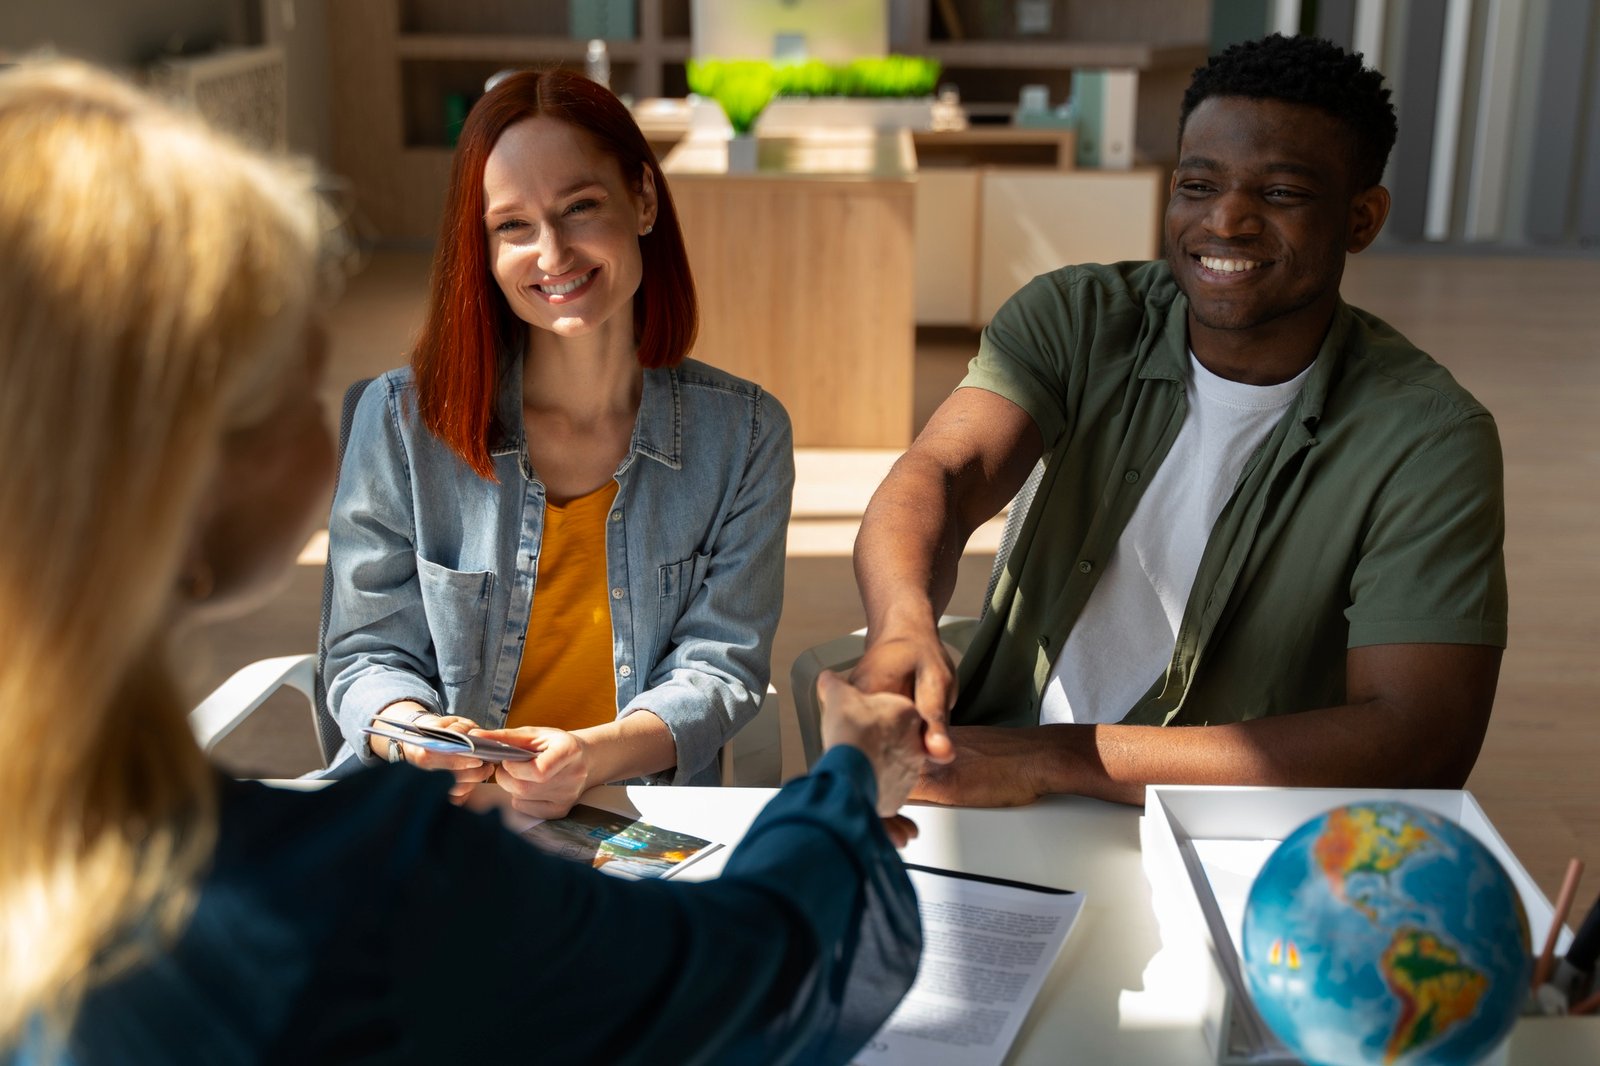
[(1183, 823)]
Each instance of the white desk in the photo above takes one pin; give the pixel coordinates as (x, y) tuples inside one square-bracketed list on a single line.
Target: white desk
[(1064, 842), (1115, 996)]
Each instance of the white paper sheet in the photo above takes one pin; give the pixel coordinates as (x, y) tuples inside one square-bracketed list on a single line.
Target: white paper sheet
[(987, 948)]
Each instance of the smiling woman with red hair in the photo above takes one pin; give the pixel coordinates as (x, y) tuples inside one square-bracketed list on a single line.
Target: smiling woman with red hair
[(553, 526)]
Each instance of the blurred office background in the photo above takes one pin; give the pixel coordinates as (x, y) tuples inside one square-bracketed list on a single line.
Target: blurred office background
[(1499, 100)]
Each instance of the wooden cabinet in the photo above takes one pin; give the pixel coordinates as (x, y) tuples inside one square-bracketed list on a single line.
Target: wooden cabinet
[(984, 232), (947, 246), (1035, 221), (805, 287)]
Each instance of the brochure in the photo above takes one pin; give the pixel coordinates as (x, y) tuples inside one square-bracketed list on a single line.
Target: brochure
[(617, 844), (987, 946), (448, 741)]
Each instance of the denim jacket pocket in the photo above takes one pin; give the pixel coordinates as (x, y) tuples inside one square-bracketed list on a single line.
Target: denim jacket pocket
[(678, 583), (457, 606)]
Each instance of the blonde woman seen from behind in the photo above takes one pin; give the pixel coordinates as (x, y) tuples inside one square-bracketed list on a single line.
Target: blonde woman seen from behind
[(164, 455), (154, 293)]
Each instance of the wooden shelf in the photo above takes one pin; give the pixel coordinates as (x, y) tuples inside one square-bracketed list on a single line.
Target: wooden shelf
[(1059, 54), (521, 48), (492, 47), (979, 145)]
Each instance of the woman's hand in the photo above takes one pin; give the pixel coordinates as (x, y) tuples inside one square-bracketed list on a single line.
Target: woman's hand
[(887, 729), (469, 772), (549, 784)]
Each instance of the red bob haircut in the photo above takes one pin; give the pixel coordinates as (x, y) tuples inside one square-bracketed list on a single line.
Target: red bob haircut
[(470, 328)]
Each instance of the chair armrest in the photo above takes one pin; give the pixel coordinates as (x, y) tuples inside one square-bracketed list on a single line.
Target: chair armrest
[(753, 757), (237, 698)]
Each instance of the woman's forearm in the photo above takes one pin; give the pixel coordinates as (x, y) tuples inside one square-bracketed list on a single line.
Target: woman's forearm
[(635, 746)]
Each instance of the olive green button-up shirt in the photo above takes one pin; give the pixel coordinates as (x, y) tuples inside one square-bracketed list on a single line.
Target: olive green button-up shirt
[(1373, 514)]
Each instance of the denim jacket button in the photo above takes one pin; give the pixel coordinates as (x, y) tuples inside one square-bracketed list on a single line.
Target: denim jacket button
[(616, 594), (616, 516), (625, 670)]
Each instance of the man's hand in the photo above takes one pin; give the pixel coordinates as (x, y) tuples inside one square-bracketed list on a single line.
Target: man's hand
[(887, 729), (900, 829), (993, 766), (918, 667)]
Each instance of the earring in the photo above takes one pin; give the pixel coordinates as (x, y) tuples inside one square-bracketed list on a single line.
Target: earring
[(648, 230), (198, 581)]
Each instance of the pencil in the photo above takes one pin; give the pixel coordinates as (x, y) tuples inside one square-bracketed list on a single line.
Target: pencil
[(1569, 888), (1586, 1006)]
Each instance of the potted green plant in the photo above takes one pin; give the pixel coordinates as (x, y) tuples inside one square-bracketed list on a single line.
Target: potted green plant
[(879, 92), (743, 88), (883, 92)]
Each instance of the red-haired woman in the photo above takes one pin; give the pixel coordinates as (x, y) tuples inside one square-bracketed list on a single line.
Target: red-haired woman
[(553, 526)]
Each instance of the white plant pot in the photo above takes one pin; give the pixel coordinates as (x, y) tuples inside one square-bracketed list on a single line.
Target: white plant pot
[(789, 115), (742, 154)]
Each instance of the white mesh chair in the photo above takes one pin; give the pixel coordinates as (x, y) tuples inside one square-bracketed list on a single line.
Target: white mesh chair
[(842, 653), (753, 758)]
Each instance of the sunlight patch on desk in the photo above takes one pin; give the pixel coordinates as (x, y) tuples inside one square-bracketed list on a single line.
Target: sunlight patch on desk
[(1180, 982)]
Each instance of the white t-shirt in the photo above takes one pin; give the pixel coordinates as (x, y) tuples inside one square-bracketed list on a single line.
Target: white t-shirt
[(1123, 640)]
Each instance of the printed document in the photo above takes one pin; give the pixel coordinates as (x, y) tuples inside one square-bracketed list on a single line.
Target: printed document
[(987, 946)]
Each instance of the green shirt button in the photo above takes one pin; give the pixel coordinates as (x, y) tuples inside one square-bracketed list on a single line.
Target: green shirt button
[(1085, 566), (1131, 477)]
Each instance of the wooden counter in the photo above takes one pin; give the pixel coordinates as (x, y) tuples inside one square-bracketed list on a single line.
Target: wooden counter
[(806, 285), (815, 269)]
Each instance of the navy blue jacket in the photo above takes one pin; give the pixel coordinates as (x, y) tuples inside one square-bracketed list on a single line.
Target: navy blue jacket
[(375, 922)]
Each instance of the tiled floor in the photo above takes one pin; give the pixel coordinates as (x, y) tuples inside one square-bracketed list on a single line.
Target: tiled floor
[(1522, 334)]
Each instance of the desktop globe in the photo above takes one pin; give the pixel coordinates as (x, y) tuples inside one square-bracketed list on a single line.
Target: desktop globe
[(1382, 933)]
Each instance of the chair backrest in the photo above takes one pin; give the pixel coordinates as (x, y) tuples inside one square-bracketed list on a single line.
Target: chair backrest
[(328, 736), (1021, 503)]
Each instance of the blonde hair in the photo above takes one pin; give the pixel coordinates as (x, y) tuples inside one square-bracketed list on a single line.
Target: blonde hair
[(155, 280)]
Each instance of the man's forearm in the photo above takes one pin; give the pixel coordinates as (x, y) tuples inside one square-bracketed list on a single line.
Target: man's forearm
[(908, 549), (1369, 745), (1417, 717), (973, 456)]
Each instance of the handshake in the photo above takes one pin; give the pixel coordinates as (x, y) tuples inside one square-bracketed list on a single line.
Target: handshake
[(895, 738)]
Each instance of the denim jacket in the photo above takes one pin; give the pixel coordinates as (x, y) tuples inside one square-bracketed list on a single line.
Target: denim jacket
[(433, 568)]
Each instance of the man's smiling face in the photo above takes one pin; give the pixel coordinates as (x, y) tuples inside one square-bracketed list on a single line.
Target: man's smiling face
[(1263, 210)]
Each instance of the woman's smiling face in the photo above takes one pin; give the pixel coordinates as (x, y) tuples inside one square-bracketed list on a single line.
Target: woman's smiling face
[(563, 225)]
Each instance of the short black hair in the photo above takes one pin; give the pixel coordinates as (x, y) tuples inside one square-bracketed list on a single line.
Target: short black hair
[(1310, 71)]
